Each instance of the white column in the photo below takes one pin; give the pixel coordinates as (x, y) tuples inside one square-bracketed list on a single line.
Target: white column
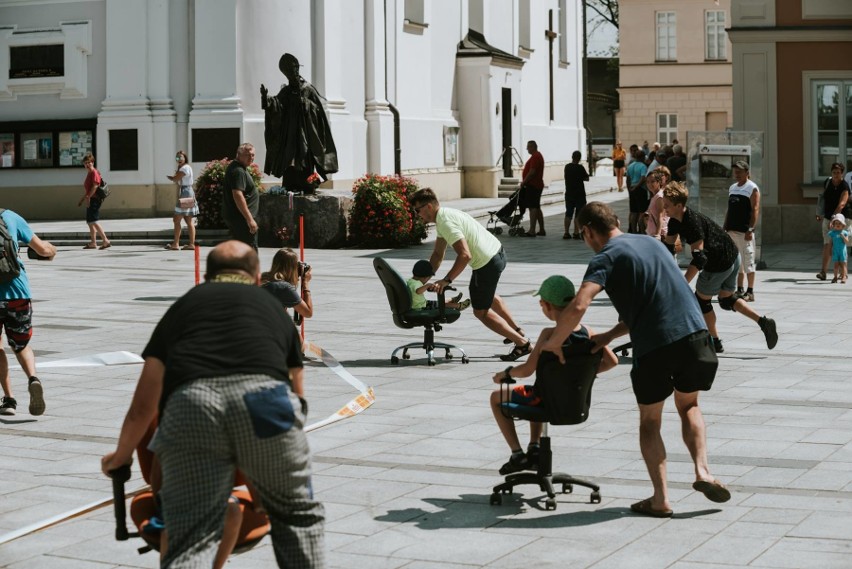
[(163, 113), (478, 17), (380, 147), (329, 57), (215, 102), (126, 103)]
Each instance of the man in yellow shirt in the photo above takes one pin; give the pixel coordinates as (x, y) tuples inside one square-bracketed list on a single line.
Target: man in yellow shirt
[(476, 247)]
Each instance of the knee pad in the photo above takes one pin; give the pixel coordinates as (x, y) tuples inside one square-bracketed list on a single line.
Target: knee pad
[(728, 302), (704, 304)]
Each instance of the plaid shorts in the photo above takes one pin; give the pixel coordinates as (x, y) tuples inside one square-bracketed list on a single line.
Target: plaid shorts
[(16, 316)]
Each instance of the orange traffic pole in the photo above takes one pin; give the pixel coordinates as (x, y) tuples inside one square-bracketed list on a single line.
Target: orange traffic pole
[(197, 264)]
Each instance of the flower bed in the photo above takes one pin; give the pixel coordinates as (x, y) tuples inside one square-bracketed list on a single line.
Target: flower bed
[(382, 215), (209, 187)]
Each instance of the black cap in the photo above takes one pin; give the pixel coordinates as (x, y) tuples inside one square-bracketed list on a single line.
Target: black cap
[(423, 268)]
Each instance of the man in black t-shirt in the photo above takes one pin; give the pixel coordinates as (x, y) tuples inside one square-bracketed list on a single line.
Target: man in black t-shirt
[(740, 222), (575, 193), (715, 260), (241, 199), (224, 368)]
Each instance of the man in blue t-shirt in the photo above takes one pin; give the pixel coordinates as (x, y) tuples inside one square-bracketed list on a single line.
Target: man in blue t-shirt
[(16, 311), (672, 352)]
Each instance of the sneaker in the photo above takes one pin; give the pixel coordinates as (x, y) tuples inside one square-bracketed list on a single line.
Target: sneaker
[(518, 352), (748, 296), (37, 405), (457, 298), (517, 463), (739, 293), (8, 405), (769, 331), (717, 345), (464, 304)]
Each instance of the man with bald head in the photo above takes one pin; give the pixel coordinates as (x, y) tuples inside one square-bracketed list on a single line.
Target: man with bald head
[(224, 369)]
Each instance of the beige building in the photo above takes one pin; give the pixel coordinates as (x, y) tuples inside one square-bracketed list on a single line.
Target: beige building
[(793, 82), (675, 69)]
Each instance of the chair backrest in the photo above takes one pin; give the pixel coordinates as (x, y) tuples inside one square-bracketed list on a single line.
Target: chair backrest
[(398, 296), (566, 389)]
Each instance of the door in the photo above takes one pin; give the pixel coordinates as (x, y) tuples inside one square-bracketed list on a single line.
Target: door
[(506, 110)]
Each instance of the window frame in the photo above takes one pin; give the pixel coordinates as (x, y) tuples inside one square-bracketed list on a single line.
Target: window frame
[(715, 30), (810, 151), (670, 132), (669, 25)]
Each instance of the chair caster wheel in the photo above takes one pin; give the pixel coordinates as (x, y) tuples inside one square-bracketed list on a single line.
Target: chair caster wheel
[(550, 504), (448, 356), (394, 360), (499, 231), (567, 488), (496, 499), (406, 356), (465, 360), (596, 498)]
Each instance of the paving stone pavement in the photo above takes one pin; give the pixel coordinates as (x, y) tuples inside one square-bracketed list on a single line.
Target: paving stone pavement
[(406, 483)]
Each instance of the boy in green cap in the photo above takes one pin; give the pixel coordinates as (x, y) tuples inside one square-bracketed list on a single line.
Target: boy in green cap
[(555, 293)]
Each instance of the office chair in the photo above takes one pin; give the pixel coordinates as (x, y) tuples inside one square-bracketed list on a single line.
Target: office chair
[(566, 393), (404, 317), (143, 506)]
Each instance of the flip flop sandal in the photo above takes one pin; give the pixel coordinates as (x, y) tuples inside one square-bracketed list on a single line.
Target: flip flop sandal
[(106, 246), (821, 275), (644, 508), (507, 341), (517, 352), (714, 491), (171, 248), (188, 247), (89, 246)]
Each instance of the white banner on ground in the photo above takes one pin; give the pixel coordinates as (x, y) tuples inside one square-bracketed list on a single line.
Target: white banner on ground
[(355, 406)]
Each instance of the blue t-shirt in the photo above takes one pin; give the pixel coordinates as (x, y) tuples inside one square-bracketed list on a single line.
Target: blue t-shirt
[(838, 245), (647, 289), (20, 231), (635, 171)]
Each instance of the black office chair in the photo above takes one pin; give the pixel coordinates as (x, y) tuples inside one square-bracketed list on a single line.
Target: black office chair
[(404, 317), (566, 393)]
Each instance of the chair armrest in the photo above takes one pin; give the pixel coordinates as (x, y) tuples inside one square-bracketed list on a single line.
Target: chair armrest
[(119, 477), (441, 303)]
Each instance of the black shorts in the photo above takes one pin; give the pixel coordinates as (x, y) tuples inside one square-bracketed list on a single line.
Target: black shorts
[(93, 212), (618, 164), (531, 197), (239, 230), (483, 282), (688, 365)]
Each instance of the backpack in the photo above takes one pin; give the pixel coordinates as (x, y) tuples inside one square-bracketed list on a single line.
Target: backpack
[(10, 268)]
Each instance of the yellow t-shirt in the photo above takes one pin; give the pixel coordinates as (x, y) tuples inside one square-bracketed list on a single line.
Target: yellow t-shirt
[(418, 301), (453, 225)]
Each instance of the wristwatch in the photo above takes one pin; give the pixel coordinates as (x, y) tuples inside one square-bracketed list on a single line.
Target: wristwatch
[(447, 280), (506, 374)]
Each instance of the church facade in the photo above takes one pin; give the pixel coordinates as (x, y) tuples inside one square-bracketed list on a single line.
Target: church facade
[(440, 90)]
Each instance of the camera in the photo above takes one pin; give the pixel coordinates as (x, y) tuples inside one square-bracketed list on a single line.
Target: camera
[(303, 268)]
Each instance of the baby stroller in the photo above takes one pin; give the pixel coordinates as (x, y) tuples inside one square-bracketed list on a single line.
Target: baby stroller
[(512, 214)]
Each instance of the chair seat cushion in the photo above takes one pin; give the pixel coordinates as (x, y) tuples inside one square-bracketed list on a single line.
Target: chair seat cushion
[(525, 412), (424, 317)]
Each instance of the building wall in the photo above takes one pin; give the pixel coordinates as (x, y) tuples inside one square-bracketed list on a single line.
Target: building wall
[(690, 86), (780, 46), (166, 68)]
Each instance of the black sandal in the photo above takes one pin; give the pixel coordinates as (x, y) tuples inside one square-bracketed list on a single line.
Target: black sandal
[(517, 352), (507, 341)]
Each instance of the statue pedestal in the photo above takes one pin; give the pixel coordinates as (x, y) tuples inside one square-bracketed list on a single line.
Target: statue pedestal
[(325, 213)]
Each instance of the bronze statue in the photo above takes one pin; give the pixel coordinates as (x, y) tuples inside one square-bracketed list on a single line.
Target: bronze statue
[(297, 132)]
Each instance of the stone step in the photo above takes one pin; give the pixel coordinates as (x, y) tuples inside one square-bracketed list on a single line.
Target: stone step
[(204, 237)]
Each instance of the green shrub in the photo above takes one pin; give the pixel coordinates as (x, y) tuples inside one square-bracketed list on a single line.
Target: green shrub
[(382, 216), (209, 187)]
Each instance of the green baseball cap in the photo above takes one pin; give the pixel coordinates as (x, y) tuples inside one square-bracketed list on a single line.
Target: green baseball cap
[(557, 290)]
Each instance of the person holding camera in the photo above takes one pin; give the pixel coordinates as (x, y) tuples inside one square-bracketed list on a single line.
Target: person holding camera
[(282, 281), (16, 312)]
